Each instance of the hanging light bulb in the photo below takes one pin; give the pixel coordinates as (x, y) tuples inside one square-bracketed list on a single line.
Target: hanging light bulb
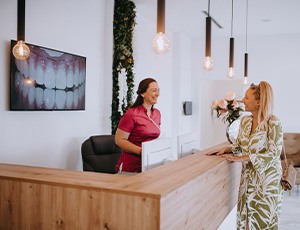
[(208, 63), (246, 81), (160, 43), (231, 72), (21, 50)]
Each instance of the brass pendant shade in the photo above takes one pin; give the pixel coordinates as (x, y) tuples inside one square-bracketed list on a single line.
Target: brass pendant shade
[(160, 43), (207, 63)]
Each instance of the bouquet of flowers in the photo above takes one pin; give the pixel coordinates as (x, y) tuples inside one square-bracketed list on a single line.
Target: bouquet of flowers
[(229, 109)]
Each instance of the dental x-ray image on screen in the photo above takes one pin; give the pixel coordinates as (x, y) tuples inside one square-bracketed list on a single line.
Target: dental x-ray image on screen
[(47, 80)]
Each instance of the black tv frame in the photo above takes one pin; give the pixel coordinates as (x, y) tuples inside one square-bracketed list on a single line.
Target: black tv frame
[(48, 80)]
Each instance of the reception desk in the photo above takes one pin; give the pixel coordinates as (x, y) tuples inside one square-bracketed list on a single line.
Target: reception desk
[(194, 192)]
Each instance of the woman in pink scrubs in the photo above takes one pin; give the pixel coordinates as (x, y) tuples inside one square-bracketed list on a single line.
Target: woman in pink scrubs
[(140, 123)]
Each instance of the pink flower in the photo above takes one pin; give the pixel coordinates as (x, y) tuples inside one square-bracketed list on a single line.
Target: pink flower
[(228, 109), (223, 104), (214, 105), (235, 104), (222, 111), (230, 96)]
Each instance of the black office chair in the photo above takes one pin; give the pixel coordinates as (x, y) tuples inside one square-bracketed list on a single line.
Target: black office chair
[(100, 154)]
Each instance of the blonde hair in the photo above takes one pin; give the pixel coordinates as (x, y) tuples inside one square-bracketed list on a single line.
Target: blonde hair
[(264, 93)]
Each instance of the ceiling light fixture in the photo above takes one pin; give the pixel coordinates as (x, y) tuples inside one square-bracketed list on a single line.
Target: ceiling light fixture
[(213, 20), (21, 50), (246, 80), (231, 72), (160, 43), (208, 63)]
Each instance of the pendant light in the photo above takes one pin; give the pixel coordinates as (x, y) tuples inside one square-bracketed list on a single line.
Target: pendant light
[(246, 80), (21, 50), (207, 63), (231, 72), (160, 43)]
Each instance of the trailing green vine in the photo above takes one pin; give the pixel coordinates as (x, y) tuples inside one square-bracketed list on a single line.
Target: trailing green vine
[(123, 26)]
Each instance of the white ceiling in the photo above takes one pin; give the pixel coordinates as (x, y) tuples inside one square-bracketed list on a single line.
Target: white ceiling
[(265, 17)]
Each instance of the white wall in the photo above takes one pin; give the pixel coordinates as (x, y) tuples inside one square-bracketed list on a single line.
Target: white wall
[(53, 138), (213, 129), (173, 73), (271, 58), (159, 67), (107, 65), (276, 59)]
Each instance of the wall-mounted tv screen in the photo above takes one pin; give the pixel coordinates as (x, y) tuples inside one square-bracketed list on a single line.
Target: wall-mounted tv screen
[(47, 80)]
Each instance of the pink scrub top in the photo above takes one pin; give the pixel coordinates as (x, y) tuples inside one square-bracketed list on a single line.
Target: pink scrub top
[(136, 122)]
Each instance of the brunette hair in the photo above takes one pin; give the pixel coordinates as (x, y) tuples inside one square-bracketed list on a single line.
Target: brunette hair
[(264, 93), (143, 86)]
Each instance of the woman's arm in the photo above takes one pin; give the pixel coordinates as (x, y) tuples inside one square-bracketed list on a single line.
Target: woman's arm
[(121, 139), (233, 158), (220, 151)]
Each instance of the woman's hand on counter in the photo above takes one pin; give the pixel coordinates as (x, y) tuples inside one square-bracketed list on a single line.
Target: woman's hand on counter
[(220, 151)]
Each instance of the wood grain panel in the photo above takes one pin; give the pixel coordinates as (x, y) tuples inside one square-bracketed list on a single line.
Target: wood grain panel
[(37, 206), (194, 192), (202, 203), (130, 212)]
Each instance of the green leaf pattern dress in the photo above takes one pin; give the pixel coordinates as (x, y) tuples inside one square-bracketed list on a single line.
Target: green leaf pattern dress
[(260, 191)]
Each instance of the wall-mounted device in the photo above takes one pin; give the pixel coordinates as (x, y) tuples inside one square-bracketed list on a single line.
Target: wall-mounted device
[(187, 108)]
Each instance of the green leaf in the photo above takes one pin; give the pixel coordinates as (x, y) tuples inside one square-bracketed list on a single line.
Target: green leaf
[(123, 27)]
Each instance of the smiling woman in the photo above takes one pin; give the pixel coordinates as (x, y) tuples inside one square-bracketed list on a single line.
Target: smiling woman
[(140, 123)]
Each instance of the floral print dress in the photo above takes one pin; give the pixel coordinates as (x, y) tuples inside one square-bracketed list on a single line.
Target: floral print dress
[(260, 191)]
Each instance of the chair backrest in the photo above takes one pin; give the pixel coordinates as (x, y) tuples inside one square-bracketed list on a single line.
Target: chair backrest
[(292, 148), (100, 154)]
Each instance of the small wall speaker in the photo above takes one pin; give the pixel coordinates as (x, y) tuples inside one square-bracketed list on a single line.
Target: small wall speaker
[(187, 108)]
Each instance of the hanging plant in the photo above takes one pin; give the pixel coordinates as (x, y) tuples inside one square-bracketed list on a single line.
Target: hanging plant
[(122, 69)]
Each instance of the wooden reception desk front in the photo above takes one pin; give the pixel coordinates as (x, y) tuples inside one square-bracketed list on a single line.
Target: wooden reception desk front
[(194, 192)]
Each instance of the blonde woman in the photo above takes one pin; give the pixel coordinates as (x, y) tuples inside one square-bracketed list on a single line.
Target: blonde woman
[(258, 148)]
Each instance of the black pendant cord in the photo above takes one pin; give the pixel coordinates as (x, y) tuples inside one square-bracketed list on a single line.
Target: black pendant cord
[(231, 18), (231, 44), (208, 8), (21, 20), (247, 27), (246, 53)]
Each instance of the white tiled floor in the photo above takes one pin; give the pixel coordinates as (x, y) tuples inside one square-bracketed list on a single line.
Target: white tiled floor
[(290, 214)]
